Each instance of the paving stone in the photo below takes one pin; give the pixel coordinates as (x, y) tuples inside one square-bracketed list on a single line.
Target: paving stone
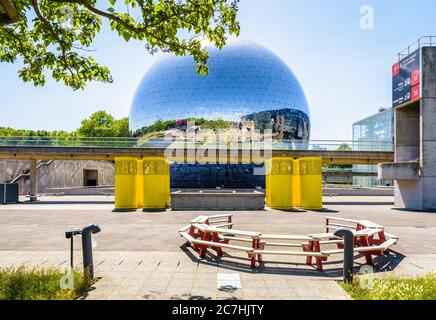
[(154, 263)]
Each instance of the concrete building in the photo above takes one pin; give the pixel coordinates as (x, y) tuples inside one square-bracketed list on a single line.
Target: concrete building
[(57, 176), (375, 132), (414, 169)]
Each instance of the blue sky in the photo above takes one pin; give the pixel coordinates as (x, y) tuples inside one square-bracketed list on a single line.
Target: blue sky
[(344, 70)]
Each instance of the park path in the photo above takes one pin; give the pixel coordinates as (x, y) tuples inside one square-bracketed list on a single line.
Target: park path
[(179, 275)]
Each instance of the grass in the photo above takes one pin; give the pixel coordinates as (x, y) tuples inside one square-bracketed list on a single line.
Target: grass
[(37, 284), (393, 288)]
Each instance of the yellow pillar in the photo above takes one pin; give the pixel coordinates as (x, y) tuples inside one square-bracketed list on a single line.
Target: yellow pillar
[(279, 183), (156, 183), (268, 165), (125, 183), (296, 182), (310, 183), (140, 184)]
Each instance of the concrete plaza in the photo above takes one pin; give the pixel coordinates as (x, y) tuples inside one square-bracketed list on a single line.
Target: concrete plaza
[(141, 256)]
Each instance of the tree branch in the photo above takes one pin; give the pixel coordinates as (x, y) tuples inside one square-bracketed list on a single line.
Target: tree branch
[(11, 14), (54, 34), (113, 17)]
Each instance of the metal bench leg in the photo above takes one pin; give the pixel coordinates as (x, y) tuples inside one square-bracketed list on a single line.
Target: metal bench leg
[(203, 251), (255, 244), (308, 248), (368, 258), (253, 262), (319, 264)]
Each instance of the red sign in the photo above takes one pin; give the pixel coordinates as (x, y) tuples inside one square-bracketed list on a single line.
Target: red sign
[(406, 79), (416, 78), (396, 69), (416, 92)]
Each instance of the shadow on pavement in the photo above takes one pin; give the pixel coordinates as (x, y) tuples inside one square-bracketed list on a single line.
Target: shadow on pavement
[(40, 202), (359, 203), (383, 263)]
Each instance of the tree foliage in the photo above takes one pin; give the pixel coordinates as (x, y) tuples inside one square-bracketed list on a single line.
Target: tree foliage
[(56, 35), (102, 124), (99, 124), (10, 132), (342, 147), (160, 126)]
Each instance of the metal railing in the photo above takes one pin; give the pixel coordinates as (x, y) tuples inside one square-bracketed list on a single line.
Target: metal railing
[(162, 143), (421, 42)]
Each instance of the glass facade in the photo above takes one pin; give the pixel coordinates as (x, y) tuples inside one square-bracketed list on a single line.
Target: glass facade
[(373, 133), (247, 86)]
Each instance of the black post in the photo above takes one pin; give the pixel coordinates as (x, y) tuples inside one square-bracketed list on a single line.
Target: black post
[(348, 237), (88, 265), (70, 235)]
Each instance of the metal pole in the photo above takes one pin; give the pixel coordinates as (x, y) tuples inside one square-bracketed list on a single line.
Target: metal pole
[(70, 235), (88, 265), (348, 237), (72, 252)]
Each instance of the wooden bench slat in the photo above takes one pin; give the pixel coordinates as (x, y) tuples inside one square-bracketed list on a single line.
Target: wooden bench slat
[(185, 228), (213, 244), (320, 236), (367, 232), (290, 253), (187, 236), (370, 224), (231, 238), (390, 235), (332, 251), (217, 221), (341, 225), (222, 225), (360, 233), (196, 219), (282, 244), (366, 223), (201, 227), (234, 232), (382, 247), (342, 219), (218, 216), (331, 241), (284, 237)]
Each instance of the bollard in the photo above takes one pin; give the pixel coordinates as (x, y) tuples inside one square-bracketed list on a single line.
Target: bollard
[(348, 237), (87, 249)]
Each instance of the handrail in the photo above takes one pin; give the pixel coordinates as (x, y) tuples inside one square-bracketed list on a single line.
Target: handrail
[(163, 143), (421, 42), (23, 174)]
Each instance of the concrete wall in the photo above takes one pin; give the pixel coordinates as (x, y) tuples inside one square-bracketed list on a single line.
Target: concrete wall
[(56, 174), (428, 128), (407, 128), (9, 169), (218, 200)]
